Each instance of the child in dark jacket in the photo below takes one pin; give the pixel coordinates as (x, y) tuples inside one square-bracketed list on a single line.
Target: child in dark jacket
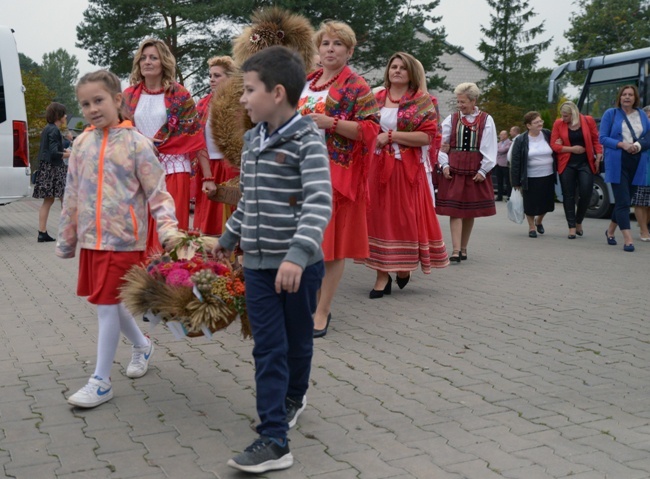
[(285, 207)]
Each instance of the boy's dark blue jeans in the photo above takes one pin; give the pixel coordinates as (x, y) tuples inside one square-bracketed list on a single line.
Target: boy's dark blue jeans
[(283, 329)]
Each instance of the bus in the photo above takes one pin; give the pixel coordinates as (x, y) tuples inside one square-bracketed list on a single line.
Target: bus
[(605, 74)]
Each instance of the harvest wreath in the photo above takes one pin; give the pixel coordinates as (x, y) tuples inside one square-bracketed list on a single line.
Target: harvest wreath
[(189, 288)]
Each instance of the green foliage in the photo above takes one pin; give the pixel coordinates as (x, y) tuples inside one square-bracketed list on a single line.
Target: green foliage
[(37, 97), (601, 27), (382, 27), (511, 57), (28, 65), (194, 30), (59, 72)]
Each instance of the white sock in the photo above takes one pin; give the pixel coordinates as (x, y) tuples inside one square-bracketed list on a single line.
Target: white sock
[(108, 338), (130, 328)]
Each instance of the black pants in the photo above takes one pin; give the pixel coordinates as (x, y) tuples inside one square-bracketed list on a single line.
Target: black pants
[(503, 181), (576, 179)]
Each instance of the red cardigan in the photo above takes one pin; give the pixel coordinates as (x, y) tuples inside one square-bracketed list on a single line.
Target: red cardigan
[(590, 134)]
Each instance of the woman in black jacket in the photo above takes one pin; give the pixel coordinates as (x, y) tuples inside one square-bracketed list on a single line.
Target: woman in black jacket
[(52, 171), (532, 169)]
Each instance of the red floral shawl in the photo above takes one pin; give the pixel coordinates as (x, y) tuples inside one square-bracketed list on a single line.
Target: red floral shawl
[(183, 132), (350, 98), (415, 113), (203, 108)]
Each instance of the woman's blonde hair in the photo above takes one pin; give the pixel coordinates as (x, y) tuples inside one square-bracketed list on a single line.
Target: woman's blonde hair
[(224, 62), (334, 29), (572, 108), (414, 69), (469, 89), (167, 61)]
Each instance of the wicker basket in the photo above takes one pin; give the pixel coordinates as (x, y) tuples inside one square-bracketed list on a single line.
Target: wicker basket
[(228, 192)]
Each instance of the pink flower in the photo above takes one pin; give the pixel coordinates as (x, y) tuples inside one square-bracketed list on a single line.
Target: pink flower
[(179, 277), (173, 122)]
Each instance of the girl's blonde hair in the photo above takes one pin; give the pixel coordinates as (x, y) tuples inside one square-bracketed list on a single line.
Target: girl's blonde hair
[(167, 61), (334, 29), (111, 83), (414, 68), (570, 107), (224, 62)]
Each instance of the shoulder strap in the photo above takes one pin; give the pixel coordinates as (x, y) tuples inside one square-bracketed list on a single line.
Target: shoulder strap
[(634, 138)]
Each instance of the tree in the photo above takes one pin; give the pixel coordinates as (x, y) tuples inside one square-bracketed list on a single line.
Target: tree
[(601, 27), (59, 72), (382, 27), (28, 65), (512, 56), (37, 98), (194, 30)]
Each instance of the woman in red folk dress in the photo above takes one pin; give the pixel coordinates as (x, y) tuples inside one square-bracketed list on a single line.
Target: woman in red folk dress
[(466, 158), (163, 110), (208, 215), (403, 229), (342, 105)]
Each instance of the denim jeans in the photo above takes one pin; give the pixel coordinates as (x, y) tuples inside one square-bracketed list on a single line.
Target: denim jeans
[(576, 178), (283, 328), (624, 190)]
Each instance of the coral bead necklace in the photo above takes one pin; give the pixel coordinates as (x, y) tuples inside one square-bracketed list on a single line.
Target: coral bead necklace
[(324, 86)]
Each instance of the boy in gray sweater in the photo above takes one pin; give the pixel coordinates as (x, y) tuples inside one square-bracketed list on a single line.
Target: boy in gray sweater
[(285, 207)]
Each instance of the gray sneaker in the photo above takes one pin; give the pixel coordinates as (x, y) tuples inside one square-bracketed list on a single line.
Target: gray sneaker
[(265, 454), (294, 409)]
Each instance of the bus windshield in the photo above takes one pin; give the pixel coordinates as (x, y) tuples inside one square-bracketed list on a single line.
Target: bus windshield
[(604, 75)]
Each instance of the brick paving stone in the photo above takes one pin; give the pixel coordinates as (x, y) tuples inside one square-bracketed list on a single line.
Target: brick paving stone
[(131, 464), (32, 471), (475, 469), (509, 365)]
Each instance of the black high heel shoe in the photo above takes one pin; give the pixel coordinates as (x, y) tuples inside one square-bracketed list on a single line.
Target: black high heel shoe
[(455, 257), (375, 294), (402, 282), (320, 333), (463, 256)]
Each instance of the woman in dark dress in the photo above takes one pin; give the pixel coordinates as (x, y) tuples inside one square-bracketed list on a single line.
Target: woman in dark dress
[(52, 171)]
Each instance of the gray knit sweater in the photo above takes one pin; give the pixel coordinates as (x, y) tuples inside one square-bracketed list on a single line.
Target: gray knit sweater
[(286, 197)]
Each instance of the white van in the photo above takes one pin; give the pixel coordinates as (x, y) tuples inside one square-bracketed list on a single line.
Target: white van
[(14, 146)]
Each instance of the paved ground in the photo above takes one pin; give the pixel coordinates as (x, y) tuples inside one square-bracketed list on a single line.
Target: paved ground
[(530, 360)]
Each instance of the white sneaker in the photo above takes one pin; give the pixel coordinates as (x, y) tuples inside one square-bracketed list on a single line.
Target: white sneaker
[(140, 361), (96, 392)]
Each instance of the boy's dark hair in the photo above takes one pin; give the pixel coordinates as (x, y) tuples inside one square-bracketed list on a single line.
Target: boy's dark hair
[(54, 112), (278, 65)]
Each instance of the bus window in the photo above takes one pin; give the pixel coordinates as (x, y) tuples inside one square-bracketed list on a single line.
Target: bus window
[(601, 96)]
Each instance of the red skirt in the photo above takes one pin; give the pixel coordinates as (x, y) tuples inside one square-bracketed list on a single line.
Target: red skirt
[(346, 235), (403, 229), (178, 185), (208, 215), (461, 197), (101, 273)]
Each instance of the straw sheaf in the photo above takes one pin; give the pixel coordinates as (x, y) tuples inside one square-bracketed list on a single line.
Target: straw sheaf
[(270, 26), (275, 26), (228, 119)]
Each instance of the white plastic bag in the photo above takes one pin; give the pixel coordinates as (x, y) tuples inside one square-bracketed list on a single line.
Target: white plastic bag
[(516, 207)]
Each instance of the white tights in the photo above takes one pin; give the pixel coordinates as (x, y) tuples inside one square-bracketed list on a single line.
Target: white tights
[(113, 319)]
